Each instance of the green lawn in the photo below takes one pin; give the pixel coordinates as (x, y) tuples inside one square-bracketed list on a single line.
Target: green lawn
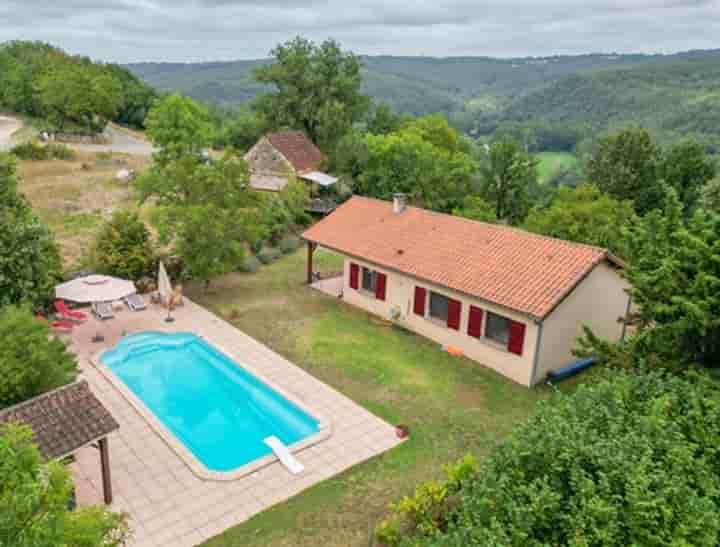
[(452, 405), (553, 163)]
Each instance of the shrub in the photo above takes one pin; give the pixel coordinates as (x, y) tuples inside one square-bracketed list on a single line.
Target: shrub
[(630, 460), (288, 244), (123, 247), (34, 500), (34, 150), (249, 265), (268, 254), (31, 360)]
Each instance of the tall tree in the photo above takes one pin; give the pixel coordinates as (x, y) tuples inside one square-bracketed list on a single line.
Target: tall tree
[(507, 176), (585, 215), (207, 211), (316, 90), (423, 160), (628, 165), (178, 126), (29, 261), (687, 168), (31, 360), (34, 498), (123, 246)]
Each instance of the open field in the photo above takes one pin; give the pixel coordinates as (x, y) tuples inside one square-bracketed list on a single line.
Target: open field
[(554, 163), (452, 405), (73, 197)]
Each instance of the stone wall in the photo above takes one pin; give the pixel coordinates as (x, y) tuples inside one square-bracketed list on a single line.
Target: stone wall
[(264, 159)]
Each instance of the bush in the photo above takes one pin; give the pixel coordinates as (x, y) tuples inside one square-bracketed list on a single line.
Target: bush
[(31, 360), (630, 460), (268, 254), (249, 265), (123, 247), (34, 150), (34, 498), (289, 244)]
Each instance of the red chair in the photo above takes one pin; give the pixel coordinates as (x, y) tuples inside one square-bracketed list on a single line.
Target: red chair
[(60, 325), (67, 313)]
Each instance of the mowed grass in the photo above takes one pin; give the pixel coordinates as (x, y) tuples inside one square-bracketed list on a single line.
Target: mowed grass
[(74, 197), (452, 405), (553, 163)]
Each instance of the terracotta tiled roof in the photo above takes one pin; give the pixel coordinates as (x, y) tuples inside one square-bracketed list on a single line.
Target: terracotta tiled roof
[(519, 270), (298, 149), (63, 420)]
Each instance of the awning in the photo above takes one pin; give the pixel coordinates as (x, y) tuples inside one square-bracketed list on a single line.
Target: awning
[(323, 179), (95, 288)]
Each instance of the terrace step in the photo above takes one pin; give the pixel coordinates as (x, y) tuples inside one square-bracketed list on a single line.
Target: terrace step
[(284, 455)]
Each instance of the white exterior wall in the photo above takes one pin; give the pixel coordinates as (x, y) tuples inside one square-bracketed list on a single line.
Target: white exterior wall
[(400, 293), (599, 301)]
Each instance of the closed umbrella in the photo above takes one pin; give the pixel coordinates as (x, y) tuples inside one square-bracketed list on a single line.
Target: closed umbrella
[(95, 288), (164, 286)]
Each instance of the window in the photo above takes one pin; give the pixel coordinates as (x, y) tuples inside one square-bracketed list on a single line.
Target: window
[(438, 306), (369, 280), (497, 328)]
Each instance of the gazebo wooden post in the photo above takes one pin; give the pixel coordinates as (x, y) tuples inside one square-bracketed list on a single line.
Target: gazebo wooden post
[(105, 466), (311, 246)]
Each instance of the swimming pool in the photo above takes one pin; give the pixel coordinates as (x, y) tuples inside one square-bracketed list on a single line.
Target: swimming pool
[(218, 410)]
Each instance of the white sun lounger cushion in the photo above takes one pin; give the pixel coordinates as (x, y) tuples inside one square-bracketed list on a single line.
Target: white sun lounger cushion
[(284, 455)]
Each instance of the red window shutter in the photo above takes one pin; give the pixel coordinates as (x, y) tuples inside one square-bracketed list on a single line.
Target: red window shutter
[(517, 337), (380, 285), (454, 310), (419, 304), (475, 319), (354, 276)]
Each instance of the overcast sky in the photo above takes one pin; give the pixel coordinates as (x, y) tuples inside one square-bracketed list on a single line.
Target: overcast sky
[(203, 30)]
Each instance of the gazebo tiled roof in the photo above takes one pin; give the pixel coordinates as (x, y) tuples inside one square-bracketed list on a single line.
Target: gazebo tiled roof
[(63, 420)]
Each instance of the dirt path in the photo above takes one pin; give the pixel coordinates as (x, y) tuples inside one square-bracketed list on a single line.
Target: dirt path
[(8, 126), (122, 142)]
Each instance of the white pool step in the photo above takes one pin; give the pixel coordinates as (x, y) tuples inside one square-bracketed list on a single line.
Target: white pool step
[(284, 455)]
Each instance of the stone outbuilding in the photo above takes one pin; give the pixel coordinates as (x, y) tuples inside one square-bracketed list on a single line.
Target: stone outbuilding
[(278, 157)]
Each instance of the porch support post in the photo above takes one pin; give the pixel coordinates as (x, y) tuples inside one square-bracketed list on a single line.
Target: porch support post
[(310, 250), (105, 467)]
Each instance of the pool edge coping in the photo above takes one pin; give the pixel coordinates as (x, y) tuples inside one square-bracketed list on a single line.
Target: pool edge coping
[(177, 446)]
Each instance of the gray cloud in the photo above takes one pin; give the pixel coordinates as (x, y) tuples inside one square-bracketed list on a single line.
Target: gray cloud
[(190, 30)]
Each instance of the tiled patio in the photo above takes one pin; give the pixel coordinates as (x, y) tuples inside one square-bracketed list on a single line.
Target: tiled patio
[(170, 505), (332, 286)]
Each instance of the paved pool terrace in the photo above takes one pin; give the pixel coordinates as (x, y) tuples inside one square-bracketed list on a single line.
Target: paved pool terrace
[(169, 503)]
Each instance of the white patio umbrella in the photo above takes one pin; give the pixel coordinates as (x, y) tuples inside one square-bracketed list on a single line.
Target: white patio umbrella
[(95, 288), (164, 285)]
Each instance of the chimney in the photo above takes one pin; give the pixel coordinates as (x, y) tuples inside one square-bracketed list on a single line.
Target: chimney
[(399, 203)]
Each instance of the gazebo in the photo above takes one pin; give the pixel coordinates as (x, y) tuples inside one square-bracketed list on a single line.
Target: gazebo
[(65, 420)]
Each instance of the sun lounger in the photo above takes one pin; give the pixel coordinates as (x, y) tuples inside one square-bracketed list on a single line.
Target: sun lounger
[(284, 455), (62, 325), (67, 313), (135, 302), (103, 310)]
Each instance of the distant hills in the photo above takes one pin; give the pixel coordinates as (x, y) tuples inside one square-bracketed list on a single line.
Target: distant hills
[(672, 94)]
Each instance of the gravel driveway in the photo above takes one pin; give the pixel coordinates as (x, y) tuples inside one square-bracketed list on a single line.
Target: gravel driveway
[(8, 126)]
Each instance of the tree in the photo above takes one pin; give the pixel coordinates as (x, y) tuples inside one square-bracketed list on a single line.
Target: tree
[(243, 130), (687, 168), (34, 500), (406, 162), (710, 196), (316, 90), (31, 360), (506, 179), (585, 215), (382, 120), (627, 460), (207, 211), (29, 262), (627, 165), (123, 247), (179, 127), (476, 208)]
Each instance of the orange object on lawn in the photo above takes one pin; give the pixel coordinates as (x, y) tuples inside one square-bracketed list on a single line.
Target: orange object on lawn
[(452, 350)]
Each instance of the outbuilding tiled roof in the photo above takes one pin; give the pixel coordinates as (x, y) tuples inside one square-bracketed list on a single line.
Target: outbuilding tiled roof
[(519, 270), (63, 420), (298, 150)]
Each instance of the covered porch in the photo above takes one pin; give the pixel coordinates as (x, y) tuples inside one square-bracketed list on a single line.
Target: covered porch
[(327, 281)]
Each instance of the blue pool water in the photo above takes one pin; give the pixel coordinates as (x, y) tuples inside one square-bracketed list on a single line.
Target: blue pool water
[(217, 409)]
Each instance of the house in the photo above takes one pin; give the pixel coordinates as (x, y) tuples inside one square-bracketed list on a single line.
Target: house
[(277, 157), (509, 299)]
